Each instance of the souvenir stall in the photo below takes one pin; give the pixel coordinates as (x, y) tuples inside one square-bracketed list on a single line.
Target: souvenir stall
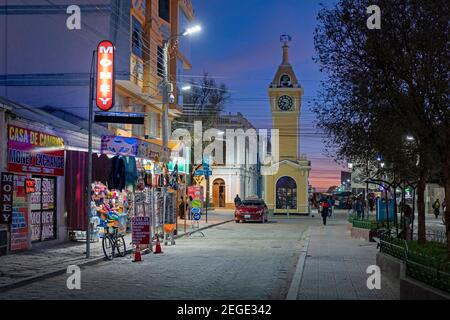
[(108, 205), (143, 178)]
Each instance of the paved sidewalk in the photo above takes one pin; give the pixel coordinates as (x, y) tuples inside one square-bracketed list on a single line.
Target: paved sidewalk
[(335, 267), (21, 268)]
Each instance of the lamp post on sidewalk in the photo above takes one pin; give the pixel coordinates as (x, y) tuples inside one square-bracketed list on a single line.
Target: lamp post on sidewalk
[(166, 85)]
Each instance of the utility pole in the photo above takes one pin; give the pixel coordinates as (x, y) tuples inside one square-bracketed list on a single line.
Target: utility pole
[(89, 180), (165, 96)]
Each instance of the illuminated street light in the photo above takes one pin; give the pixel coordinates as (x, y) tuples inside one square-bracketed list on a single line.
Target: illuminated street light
[(410, 138), (186, 88), (192, 30)]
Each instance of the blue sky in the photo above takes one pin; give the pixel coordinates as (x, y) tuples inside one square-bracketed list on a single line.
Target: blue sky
[(239, 46)]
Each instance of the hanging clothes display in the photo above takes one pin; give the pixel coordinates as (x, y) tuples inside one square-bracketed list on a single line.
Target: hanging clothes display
[(101, 168), (131, 174), (117, 176)]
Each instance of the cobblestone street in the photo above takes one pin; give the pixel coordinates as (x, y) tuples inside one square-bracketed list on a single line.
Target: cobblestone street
[(233, 261)]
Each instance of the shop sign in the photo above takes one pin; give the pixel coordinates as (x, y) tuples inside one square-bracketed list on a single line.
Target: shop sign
[(6, 194), (119, 146), (149, 151), (30, 186), (105, 76), (140, 227), (125, 146), (31, 151)]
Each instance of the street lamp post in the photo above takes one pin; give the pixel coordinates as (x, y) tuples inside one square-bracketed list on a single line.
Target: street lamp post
[(167, 86)]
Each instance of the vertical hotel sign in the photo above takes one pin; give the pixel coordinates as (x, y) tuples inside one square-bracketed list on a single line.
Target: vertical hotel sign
[(105, 76)]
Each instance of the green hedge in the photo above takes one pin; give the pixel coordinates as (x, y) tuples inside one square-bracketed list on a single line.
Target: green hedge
[(427, 263)]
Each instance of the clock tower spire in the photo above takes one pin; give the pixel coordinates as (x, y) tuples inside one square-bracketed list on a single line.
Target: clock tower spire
[(285, 95)]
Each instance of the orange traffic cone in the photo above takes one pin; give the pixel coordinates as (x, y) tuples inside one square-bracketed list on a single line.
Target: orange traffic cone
[(158, 246), (137, 255)]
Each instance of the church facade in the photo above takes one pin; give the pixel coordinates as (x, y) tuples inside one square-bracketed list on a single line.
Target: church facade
[(286, 180)]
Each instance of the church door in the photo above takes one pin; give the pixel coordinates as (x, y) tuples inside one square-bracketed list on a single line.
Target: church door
[(219, 193), (286, 193)]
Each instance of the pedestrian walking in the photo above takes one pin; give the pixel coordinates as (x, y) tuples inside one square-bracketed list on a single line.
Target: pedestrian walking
[(331, 205), (189, 207), (325, 208), (182, 208), (436, 207), (237, 201), (359, 208)]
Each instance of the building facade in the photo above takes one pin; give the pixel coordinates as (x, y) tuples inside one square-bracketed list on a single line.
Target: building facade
[(241, 175), (286, 180), (49, 64)]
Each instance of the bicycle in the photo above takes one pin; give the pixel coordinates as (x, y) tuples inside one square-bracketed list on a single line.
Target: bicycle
[(112, 241)]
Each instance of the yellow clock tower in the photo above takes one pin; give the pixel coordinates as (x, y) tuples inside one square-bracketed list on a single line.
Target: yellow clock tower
[(286, 179)]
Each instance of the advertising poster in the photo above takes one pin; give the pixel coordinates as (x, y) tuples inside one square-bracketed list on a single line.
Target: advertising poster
[(43, 210), (19, 227), (140, 227), (196, 192)]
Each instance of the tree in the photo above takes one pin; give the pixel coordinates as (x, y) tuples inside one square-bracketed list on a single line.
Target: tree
[(384, 85), (205, 101)]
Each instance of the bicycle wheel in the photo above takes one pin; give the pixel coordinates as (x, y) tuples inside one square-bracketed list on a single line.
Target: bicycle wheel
[(121, 246), (108, 248)]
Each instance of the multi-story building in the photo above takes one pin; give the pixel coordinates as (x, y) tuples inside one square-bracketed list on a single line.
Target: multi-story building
[(46, 53), (47, 58)]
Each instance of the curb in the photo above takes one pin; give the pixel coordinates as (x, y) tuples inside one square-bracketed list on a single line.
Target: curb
[(297, 279), (202, 228), (92, 261)]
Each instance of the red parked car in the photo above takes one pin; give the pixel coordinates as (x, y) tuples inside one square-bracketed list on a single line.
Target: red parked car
[(251, 210)]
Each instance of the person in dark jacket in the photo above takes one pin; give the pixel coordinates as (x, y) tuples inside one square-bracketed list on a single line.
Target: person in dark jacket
[(237, 201), (325, 209)]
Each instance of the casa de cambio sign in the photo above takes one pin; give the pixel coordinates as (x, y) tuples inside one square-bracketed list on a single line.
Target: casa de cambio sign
[(35, 152), (105, 76)]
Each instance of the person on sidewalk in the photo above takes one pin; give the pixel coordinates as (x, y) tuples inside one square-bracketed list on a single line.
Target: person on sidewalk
[(182, 208), (189, 207), (359, 208), (237, 201), (331, 205), (436, 207), (325, 208)]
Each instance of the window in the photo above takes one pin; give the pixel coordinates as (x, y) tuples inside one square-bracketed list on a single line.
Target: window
[(160, 64), (153, 124), (138, 130), (164, 10), (136, 38), (285, 81)]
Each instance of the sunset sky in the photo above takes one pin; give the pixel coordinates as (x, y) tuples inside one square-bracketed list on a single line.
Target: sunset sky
[(239, 46)]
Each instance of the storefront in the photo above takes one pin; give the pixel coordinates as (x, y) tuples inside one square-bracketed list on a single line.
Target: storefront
[(129, 180), (34, 167)]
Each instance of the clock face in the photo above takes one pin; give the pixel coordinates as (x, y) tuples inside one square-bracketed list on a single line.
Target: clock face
[(285, 103)]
